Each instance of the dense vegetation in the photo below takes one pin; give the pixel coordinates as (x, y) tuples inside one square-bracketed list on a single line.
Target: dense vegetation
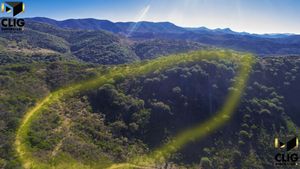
[(149, 49), (24, 149), (117, 122), (186, 95)]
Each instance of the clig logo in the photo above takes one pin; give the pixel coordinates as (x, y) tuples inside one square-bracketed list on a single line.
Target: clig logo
[(16, 7), (288, 154), (12, 23)]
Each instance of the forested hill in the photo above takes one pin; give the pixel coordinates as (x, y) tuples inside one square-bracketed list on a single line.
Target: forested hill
[(133, 116)]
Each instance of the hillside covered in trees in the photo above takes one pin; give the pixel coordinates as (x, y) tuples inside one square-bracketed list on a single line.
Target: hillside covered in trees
[(133, 116)]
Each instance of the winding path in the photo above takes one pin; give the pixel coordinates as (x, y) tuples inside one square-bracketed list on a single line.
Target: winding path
[(245, 62)]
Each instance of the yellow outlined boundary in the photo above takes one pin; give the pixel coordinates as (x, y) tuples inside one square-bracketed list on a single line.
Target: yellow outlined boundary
[(245, 62)]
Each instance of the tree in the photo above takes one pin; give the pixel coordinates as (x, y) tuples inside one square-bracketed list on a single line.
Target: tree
[(205, 163)]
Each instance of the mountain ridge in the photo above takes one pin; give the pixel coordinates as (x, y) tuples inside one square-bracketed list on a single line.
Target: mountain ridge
[(104, 42), (116, 27), (261, 45)]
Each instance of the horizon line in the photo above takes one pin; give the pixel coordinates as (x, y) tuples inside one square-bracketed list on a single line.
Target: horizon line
[(181, 26)]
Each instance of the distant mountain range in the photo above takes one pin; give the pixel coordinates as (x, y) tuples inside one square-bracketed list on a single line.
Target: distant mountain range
[(260, 44), (106, 42), (118, 27), (141, 27)]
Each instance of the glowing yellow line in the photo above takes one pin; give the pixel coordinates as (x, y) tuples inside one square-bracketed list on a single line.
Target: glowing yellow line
[(19, 141), (136, 69)]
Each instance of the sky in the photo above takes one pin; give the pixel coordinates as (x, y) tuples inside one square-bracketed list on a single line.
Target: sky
[(254, 16)]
